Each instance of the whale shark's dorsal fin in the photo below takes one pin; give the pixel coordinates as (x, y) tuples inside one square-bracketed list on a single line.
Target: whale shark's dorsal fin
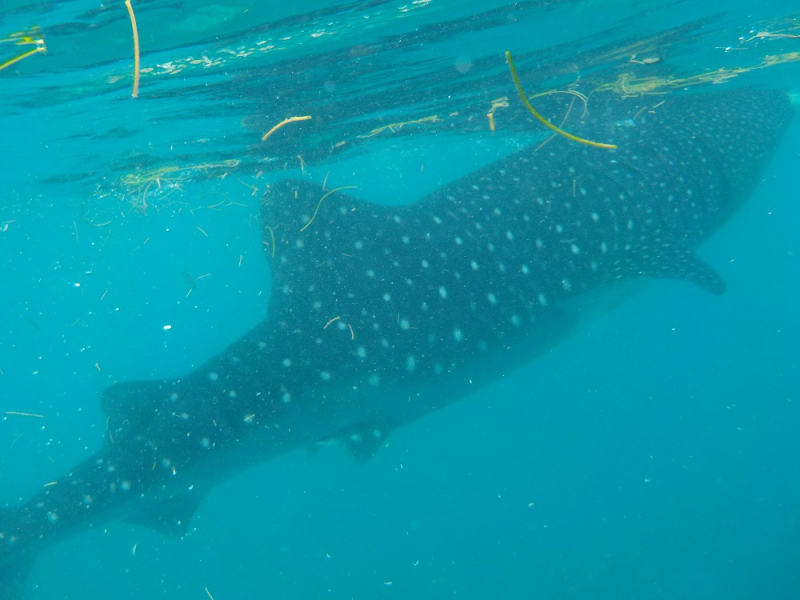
[(132, 407), (13, 571), (13, 576), (308, 230), (170, 517)]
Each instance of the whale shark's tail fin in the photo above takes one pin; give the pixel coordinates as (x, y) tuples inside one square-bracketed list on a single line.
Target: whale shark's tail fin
[(13, 575), (14, 565)]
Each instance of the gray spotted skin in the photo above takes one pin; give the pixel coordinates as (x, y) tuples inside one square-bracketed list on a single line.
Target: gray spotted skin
[(479, 272), (379, 315)]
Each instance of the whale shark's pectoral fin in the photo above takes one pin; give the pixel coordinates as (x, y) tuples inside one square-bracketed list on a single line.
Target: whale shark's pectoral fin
[(674, 261), (361, 442), (170, 517)]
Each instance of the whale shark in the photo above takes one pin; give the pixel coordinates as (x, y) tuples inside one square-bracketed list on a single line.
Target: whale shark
[(381, 314)]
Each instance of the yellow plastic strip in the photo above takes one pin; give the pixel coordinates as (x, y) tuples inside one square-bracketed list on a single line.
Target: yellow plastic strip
[(544, 121), (135, 93)]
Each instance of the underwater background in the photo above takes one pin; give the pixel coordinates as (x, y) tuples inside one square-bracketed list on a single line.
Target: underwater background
[(655, 454)]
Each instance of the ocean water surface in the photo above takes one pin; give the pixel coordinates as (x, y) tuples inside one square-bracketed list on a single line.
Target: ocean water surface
[(654, 454)]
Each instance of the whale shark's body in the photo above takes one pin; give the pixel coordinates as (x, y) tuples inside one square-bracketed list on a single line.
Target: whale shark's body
[(380, 314)]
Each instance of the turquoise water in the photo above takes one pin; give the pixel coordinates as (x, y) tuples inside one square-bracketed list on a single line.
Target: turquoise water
[(652, 455)]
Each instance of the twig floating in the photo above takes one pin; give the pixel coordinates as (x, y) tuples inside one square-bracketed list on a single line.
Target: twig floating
[(314, 216), (8, 63), (544, 121), (272, 237), (23, 414), (333, 320), (135, 93), (282, 123)]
